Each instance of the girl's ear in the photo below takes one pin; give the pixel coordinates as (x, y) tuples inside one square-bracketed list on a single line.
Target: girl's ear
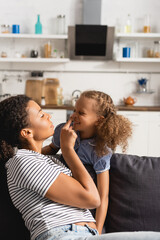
[(100, 118), (26, 133)]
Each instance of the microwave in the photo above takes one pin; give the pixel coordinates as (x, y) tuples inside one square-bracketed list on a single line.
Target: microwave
[(90, 42)]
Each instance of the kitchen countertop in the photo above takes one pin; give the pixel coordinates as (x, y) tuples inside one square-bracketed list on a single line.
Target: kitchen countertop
[(119, 108)]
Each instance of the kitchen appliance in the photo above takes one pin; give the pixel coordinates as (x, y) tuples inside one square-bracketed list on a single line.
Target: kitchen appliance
[(90, 42), (92, 10), (75, 95)]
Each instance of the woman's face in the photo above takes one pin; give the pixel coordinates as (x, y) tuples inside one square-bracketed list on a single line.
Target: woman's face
[(40, 123)]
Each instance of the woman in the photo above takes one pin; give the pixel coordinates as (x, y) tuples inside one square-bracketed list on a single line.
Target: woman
[(52, 199)]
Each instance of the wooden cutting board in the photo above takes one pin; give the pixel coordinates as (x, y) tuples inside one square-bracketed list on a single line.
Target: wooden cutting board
[(34, 90), (49, 90)]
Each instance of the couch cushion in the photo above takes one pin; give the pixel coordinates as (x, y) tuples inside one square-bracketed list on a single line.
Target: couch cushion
[(134, 202), (11, 223)]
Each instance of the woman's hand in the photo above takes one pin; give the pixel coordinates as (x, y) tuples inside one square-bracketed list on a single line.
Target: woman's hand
[(67, 137)]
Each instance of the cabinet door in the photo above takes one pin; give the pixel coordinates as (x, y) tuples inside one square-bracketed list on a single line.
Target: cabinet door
[(154, 135), (138, 143), (57, 116)]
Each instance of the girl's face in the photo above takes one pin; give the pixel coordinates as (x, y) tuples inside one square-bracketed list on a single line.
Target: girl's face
[(40, 123), (85, 117)]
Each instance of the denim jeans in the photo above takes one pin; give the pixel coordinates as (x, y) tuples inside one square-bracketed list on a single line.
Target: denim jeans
[(76, 232), (68, 232)]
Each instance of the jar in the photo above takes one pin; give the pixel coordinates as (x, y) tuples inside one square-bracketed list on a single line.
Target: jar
[(157, 49), (5, 28), (150, 51), (47, 50), (147, 27), (3, 54), (61, 24)]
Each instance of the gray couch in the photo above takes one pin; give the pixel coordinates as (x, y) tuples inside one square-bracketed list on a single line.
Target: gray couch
[(133, 200)]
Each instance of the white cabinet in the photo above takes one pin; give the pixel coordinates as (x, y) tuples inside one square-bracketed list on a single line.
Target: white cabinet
[(57, 116), (146, 132), (154, 135)]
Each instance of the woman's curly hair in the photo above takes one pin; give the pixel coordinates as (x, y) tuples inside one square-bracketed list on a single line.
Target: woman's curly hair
[(13, 118), (112, 129)]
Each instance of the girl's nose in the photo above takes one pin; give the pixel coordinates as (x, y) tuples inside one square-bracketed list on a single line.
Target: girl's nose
[(73, 116)]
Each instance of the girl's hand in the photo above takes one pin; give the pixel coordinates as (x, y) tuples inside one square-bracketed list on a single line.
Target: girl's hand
[(68, 136)]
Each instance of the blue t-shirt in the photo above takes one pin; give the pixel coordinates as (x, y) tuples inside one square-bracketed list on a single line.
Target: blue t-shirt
[(86, 152)]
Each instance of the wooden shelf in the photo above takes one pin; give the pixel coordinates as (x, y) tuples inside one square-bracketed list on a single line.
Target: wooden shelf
[(32, 36), (34, 60)]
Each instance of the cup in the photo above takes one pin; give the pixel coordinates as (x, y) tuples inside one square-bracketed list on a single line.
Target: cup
[(34, 54), (15, 28), (126, 52)]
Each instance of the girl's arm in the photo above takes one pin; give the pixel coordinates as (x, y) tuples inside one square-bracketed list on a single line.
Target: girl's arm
[(79, 190), (50, 149), (103, 189)]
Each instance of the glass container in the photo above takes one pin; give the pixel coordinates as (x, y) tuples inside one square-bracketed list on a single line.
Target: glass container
[(157, 49), (147, 27), (5, 28), (128, 25), (47, 50), (61, 24)]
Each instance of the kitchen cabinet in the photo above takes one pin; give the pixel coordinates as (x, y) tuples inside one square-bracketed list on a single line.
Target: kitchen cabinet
[(139, 43), (57, 116), (22, 44), (154, 135), (146, 132)]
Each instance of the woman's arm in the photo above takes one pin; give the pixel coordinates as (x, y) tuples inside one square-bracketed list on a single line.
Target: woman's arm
[(50, 149), (79, 190), (103, 188)]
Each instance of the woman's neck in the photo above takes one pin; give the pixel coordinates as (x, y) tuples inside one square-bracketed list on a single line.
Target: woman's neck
[(36, 147)]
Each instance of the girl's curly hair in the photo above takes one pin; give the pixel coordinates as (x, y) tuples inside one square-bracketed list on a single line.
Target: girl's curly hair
[(13, 118), (113, 129)]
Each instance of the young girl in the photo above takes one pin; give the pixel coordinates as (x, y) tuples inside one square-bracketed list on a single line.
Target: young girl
[(100, 130)]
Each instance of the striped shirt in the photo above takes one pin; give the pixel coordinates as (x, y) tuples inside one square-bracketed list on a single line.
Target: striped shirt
[(29, 176)]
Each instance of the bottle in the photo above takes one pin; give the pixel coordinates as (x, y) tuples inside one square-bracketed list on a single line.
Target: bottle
[(47, 50), (38, 26), (128, 27)]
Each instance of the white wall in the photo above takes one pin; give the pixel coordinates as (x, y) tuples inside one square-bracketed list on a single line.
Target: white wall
[(25, 13), (119, 9), (79, 75)]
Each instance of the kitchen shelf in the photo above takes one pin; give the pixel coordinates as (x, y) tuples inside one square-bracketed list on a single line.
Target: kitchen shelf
[(147, 92), (145, 60), (138, 35), (34, 60), (33, 36)]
